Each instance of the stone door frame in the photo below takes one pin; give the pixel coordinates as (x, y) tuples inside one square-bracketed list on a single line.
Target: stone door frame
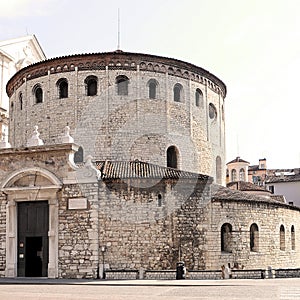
[(17, 194)]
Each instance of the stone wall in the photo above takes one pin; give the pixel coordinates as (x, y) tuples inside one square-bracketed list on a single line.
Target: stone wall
[(3, 204), (47, 173), (78, 247), (287, 273), (139, 231), (139, 234), (121, 274), (143, 224), (268, 217), (160, 275), (56, 159), (115, 127)]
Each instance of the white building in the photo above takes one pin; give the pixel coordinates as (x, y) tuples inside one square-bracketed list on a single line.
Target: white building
[(14, 55), (286, 183)]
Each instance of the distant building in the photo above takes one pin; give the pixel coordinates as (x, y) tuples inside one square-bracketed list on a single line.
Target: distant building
[(257, 173), (285, 182), (248, 187), (238, 178), (15, 54), (237, 170)]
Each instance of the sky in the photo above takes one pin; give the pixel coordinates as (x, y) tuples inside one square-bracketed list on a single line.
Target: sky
[(252, 46)]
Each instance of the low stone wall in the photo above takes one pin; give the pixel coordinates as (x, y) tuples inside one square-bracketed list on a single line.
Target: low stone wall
[(163, 274), (122, 274), (217, 274), (201, 274), (249, 274), (287, 273), (204, 275)]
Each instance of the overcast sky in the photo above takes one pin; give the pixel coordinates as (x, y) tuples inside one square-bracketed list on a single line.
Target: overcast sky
[(252, 45)]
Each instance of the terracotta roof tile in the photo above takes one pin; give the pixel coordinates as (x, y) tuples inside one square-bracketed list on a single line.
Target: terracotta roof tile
[(237, 159), (279, 198), (283, 178), (139, 169), (246, 186), (253, 168), (223, 193)]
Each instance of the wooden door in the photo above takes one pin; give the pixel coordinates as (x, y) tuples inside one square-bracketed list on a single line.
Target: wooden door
[(33, 226)]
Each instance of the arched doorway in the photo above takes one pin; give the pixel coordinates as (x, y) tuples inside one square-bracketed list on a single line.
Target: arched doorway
[(172, 157), (32, 223)]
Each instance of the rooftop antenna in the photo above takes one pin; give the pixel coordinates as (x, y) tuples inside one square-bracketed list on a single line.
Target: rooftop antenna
[(118, 29), (237, 144)]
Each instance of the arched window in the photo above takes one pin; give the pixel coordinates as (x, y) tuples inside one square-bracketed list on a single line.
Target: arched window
[(177, 91), (212, 111), (242, 174), (122, 84), (91, 85), (21, 101), (282, 238), (198, 97), (254, 237), (38, 93), (218, 170), (233, 175), (62, 85), (226, 237), (78, 155), (223, 113), (293, 238), (172, 157), (11, 110), (159, 200), (152, 84)]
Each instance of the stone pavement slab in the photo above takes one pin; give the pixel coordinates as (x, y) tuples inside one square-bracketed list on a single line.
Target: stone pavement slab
[(240, 289)]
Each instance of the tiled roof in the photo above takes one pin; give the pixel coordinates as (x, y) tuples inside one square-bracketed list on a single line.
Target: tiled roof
[(279, 198), (238, 159), (223, 193), (283, 178), (284, 171), (253, 168), (139, 169), (246, 186)]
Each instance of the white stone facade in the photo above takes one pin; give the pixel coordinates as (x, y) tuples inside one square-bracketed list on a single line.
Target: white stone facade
[(14, 55)]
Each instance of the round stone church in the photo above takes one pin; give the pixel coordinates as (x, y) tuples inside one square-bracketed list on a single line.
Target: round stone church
[(115, 168), (124, 106)]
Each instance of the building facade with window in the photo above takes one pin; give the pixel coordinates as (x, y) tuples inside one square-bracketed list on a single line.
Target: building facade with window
[(237, 170), (137, 186), (285, 182)]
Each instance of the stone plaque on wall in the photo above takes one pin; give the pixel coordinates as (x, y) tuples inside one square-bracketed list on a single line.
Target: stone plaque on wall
[(77, 203)]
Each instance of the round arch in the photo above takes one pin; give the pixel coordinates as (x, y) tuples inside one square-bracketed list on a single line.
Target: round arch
[(22, 186), (16, 175)]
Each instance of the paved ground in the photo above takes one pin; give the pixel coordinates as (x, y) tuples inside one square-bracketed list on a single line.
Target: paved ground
[(46, 289)]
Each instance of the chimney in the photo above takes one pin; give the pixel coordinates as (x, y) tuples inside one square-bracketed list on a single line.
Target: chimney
[(262, 164)]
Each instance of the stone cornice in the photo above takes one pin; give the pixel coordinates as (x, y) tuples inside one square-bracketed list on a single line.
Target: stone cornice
[(117, 60), (38, 149), (257, 202)]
